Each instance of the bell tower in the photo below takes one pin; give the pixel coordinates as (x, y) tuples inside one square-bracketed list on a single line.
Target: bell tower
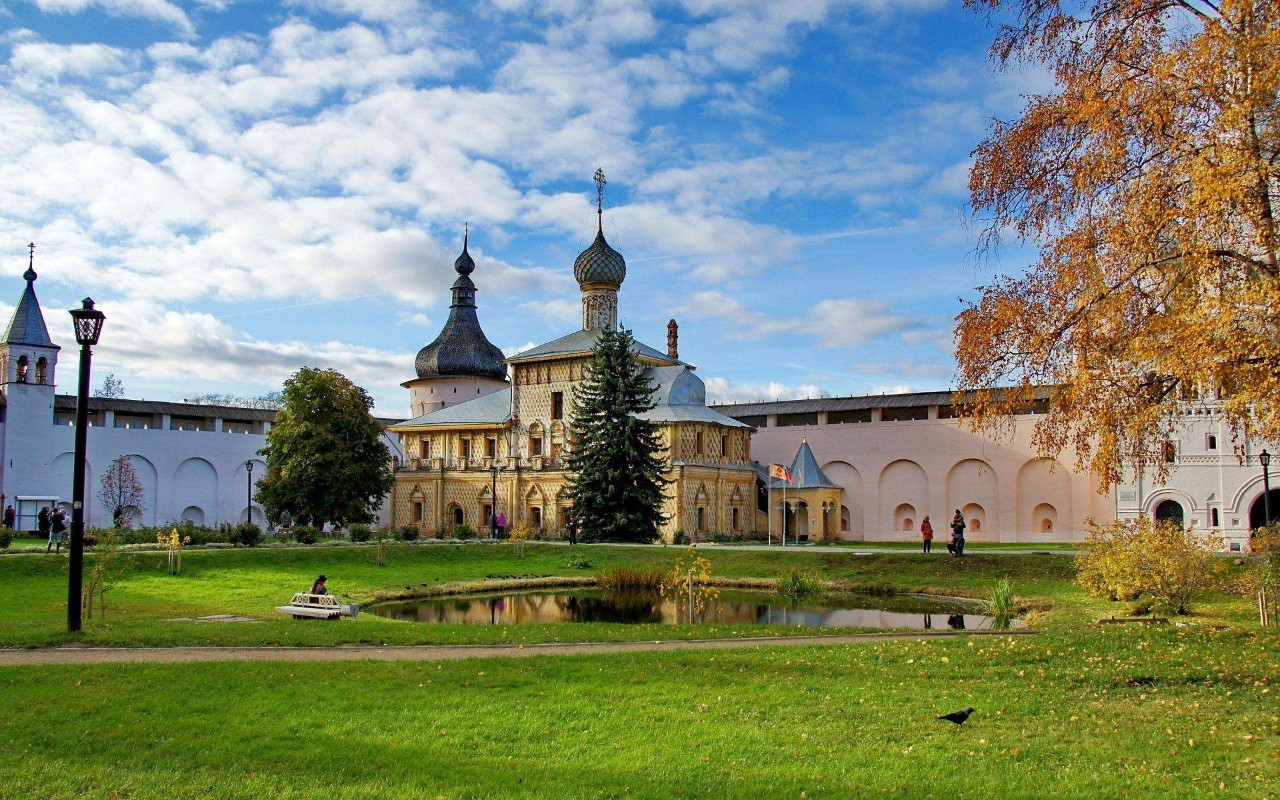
[(28, 357)]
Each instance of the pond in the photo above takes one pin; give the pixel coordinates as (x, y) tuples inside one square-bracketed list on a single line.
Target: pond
[(732, 607)]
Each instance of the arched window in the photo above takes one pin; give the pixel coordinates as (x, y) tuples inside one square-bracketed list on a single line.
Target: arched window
[(844, 519), (1213, 517), (697, 443), (42, 370), (458, 517), (701, 519), (908, 524), (22, 369), (734, 519), (415, 507)]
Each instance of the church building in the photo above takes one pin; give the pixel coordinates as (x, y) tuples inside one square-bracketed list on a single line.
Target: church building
[(492, 433)]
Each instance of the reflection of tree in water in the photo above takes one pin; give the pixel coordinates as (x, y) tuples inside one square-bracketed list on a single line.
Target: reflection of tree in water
[(626, 607)]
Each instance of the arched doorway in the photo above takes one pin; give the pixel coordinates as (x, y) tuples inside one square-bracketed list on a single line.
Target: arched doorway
[(1258, 511), (802, 521), (1170, 511)]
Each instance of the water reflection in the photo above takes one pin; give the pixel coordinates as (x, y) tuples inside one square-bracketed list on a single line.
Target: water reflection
[(851, 611)]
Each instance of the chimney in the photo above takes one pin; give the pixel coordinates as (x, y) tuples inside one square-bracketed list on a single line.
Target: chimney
[(672, 336)]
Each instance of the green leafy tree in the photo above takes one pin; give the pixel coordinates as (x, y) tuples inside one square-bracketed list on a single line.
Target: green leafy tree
[(325, 456), (615, 471)]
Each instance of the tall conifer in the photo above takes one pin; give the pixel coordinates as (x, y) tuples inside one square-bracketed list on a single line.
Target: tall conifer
[(615, 471)]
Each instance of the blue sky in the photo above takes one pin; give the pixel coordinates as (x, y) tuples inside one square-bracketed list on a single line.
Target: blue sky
[(249, 187)]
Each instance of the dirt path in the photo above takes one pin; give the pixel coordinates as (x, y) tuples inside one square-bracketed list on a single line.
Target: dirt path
[(75, 654)]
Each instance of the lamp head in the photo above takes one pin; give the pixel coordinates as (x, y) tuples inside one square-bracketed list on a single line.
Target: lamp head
[(1264, 458), (88, 323), (249, 465)]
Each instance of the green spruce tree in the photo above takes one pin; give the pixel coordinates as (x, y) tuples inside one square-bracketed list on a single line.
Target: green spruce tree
[(615, 470)]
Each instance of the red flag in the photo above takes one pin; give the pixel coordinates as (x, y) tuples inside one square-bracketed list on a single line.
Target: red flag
[(780, 472)]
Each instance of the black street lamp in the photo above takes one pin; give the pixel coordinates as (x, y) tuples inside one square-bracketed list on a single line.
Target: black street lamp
[(248, 498), (493, 509), (88, 325), (1264, 458)]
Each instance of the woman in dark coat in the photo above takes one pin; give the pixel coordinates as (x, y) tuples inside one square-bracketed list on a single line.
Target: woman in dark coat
[(956, 548)]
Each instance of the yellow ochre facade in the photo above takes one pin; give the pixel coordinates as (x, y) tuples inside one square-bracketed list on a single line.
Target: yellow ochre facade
[(513, 434)]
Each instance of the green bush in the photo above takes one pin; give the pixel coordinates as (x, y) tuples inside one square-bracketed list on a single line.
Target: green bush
[(305, 534), (626, 579), (794, 583), (408, 533), (680, 537), (360, 533), (464, 532), (248, 534), (6, 538)]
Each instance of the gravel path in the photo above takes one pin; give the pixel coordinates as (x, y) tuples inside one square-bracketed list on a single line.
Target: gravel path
[(79, 654)]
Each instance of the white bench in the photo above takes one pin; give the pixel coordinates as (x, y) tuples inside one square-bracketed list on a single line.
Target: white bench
[(305, 605)]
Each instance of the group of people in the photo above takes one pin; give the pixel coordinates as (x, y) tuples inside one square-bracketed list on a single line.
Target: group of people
[(956, 546), (53, 524)]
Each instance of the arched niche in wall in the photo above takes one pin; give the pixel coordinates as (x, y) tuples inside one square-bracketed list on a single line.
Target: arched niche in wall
[(847, 477), (972, 484), (901, 482), (1043, 481)]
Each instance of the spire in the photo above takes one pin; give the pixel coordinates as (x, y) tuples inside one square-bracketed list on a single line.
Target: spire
[(600, 182), (27, 325), (465, 264)]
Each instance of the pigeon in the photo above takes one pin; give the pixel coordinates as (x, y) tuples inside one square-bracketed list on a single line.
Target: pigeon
[(958, 717)]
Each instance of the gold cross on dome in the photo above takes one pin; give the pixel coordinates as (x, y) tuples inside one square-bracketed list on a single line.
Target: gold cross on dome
[(600, 182)]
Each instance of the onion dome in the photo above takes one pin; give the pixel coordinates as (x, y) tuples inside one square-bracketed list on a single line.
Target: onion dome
[(600, 263), (462, 350)]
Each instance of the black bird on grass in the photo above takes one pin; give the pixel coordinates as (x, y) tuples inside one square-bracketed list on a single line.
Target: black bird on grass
[(958, 717)]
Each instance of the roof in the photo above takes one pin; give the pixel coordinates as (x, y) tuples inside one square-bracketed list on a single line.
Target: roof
[(582, 342), (487, 409), (805, 472), (27, 325), (600, 263), (814, 405), (67, 402), (680, 396), (462, 350)]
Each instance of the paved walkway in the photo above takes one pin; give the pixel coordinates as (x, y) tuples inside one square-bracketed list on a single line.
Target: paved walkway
[(78, 654)]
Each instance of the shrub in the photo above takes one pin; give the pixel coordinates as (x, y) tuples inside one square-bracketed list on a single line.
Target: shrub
[(1163, 564), (90, 540), (794, 583), (680, 537), (464, 532), (361, 533), (305, 534), (247, 534), (626, 579), (6, 538), (408, 533), (573, 562)]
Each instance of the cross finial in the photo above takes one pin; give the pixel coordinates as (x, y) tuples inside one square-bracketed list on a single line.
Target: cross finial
[(466, 231), (32, 248), (600, 182), (30, 274)]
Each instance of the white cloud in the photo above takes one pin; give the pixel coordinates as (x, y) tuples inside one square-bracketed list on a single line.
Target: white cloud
[(724, 390), (157, 10), (844, 322)]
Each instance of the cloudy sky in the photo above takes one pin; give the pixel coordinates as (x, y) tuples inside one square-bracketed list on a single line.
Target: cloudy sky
[(248, 187)]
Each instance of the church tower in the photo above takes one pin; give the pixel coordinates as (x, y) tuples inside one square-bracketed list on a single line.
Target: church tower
[(461, 364), (27, 354), (600, 271)]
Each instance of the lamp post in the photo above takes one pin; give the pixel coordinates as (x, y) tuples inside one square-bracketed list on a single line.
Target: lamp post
[(1264, 458), (493, 509), (88, 324), (248, 498)]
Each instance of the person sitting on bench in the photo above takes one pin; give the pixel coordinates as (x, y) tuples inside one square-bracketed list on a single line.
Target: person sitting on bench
[(318, 587)]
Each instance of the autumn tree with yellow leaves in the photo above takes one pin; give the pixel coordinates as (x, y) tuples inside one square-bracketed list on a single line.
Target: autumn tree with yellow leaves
[(1148, 180)]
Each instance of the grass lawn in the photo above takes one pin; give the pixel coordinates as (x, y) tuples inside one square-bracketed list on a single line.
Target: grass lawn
[(1115, 712), (251, 582)]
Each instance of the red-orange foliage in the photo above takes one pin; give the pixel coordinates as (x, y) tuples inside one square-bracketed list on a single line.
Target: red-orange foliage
[(1148, 179)]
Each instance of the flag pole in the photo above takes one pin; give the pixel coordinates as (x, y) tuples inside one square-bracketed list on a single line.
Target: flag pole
[(769, 541)]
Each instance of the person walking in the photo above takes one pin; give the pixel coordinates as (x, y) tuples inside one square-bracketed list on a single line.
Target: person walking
[(57, 526), (926, 534), (500, 524), (43, 522), (956, 548), (10, 516)]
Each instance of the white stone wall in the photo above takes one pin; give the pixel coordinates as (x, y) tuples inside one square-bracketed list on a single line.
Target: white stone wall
[(1209, 474), (892, 472)]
